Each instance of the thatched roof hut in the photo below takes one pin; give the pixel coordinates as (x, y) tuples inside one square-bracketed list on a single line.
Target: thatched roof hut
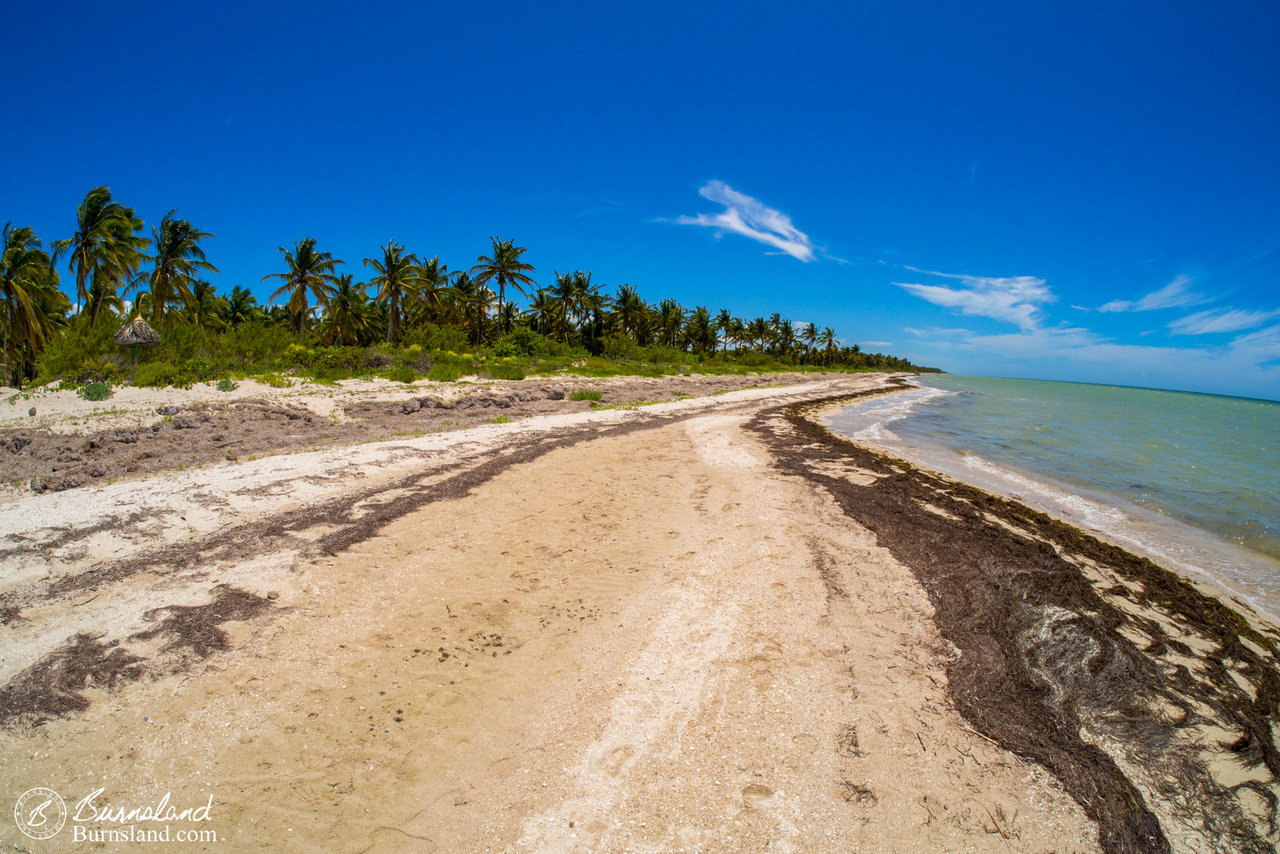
[(138, 333)]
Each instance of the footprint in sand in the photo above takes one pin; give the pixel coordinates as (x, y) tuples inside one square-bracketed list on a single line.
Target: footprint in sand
[(755, 794)]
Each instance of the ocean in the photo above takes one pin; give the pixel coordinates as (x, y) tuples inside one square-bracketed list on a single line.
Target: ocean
[(1191, 480)]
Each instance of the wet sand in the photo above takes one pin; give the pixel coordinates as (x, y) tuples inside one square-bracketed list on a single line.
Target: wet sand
[(700, 625)]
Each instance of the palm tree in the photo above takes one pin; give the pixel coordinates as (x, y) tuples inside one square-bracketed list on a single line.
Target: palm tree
[(178, 258), (724, 327), (507, 316), (784, 337), (758, 331), (105, 249), (397, 275), (737, 332), (630, 309), (699, 331), (204, 307), (474, 301), (309, 270), (546, 311), (505, 266), (27, 278), (347, 318), (433, 277), (565, 294), (809, 336), (670, 321), (828, 341), (241, 307)]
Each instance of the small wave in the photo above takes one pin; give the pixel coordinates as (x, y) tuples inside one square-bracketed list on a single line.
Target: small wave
[(868, 422), (1098, 516)]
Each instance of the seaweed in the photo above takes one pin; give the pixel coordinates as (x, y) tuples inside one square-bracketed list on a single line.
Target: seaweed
[(1049, 668), (54, 686)]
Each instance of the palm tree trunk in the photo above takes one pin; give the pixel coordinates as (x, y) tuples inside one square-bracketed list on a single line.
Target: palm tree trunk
[(6, 340), (80, 287)]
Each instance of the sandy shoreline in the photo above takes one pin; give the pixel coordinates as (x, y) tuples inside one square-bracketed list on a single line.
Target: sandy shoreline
[(697, 625), (1222, 568)]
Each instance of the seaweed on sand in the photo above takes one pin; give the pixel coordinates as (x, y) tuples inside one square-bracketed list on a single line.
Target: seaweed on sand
[(195, 630), (54, 686), (1116, 675)]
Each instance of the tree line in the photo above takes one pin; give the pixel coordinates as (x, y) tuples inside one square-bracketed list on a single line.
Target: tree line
[(119, 271)]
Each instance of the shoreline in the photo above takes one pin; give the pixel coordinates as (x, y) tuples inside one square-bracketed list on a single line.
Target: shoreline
[(1118, 641), (692, 625), (1202, 556)]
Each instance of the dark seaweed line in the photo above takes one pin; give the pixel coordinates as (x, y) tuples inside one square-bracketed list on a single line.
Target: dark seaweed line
[(1029, 688)]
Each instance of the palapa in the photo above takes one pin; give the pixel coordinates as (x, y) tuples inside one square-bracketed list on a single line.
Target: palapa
[(137, 333)]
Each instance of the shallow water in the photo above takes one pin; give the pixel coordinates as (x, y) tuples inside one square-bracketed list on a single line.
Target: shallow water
[(1190, 479)]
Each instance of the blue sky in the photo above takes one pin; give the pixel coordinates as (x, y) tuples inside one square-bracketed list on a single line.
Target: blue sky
[(1017, 189)]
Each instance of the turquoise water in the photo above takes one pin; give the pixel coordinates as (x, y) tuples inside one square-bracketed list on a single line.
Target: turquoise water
[(1120, 460)]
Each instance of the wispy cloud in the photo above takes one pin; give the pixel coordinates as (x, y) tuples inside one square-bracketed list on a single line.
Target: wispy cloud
[(1176, 294), (877, 343), (1012, 299), (752, 218), (1220, 320), (1261, 347), (1245, 365)]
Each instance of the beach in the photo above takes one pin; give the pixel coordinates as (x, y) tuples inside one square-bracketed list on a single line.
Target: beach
[(487, 617)]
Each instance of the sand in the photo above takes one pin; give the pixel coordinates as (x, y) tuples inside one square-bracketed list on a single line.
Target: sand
[(634, 629)]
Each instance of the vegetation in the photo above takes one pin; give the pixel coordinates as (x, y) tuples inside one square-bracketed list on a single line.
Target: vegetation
[(412, 318), (95, 391)]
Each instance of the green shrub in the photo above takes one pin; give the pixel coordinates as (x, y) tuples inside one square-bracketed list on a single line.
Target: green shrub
[(275, 380), (501, 419), (159, 375), (401, 374), (585, 394), (95, 391), (619, 346), (225, 385), (664, 355), (379, 356), (78, 354), (444, 372), (432, 337), (299, 355), (255, 344), (523, 341), (506, 372)]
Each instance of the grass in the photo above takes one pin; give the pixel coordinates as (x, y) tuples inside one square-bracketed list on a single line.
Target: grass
[(506, 372), (275, 380), (586, 394), (444, 372), (95, 391), (501, 419), (400, 374)]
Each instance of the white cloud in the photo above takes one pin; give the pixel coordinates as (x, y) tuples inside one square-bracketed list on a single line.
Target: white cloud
[(937, 332), (1176, 294), (1012, 299), (1249, 365), (1261, 346), (877, 343), (1220, 320), (751, 218)]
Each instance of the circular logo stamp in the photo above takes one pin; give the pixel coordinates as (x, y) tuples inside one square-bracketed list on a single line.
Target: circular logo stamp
[(40, 813)]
